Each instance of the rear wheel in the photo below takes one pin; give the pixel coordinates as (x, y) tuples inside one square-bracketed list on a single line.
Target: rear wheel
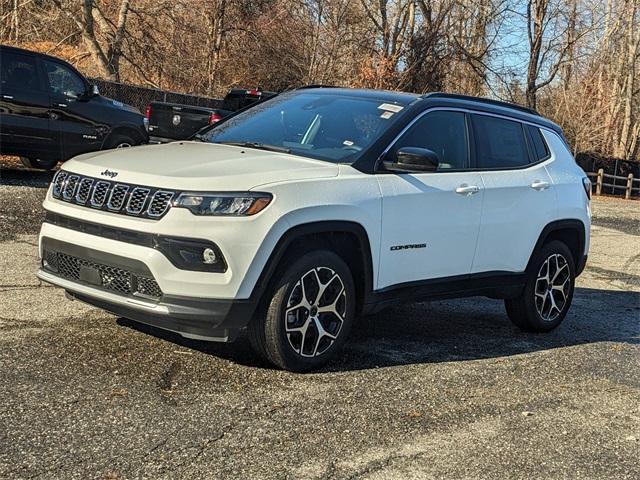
[(309, 315), (548, 292), (38, 163)]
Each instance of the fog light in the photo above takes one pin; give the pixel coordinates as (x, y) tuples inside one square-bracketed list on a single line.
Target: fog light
[(209, 256)]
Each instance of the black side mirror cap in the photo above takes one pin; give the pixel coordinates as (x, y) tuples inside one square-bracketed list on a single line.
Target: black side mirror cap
[(413, 159)]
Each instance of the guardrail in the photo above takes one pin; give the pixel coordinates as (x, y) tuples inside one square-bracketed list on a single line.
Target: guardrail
[(628, 187)]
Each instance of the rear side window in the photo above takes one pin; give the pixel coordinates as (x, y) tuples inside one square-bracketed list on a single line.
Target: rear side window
[(19, 71), (500, 143), (538, 145)]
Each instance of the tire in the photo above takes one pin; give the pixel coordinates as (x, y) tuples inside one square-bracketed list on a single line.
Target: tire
[(304, 328), (38, 163), (548, 291), (120, 141)]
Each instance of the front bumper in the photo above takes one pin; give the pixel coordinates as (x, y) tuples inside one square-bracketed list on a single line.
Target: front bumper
[(126, 286), (201, 319)]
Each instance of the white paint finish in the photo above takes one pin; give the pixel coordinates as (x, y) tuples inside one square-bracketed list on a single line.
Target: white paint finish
[(425, 208), (513, 215)]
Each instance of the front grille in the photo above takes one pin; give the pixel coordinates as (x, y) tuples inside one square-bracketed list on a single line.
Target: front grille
[(126, 199), (106, 277)]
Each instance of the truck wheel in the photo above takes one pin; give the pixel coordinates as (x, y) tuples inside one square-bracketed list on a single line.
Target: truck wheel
[(309, 314), (548, 291), (38, 163), (120, 141)]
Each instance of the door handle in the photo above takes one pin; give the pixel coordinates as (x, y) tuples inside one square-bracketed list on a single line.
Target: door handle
[(465, 189), (539, 185), (7, 97), (63, 105)]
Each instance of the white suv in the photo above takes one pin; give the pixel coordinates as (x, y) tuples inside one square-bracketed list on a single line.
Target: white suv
[(294, 217)]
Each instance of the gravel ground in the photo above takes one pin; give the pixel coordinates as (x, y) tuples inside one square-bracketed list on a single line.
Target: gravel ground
[(444, 389)]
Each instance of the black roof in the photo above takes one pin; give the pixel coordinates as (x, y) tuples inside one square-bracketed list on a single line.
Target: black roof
[(442, 99), (31, 52)]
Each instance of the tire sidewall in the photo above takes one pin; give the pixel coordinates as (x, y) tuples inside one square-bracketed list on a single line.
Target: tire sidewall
[(285, 355), (119, 140)]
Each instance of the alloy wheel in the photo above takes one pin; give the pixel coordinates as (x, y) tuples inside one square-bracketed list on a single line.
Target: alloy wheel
[(553, 286), (315, 312)]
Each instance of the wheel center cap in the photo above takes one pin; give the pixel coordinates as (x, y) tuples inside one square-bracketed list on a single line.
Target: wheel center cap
[(314, 311)]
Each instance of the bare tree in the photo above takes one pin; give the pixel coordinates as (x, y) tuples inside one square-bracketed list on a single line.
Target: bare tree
[(105, 42)]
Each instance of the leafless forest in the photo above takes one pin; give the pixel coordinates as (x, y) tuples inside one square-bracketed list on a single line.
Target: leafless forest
[(576, 61)]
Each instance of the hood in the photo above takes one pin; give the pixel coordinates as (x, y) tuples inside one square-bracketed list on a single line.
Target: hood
[(199, 166)]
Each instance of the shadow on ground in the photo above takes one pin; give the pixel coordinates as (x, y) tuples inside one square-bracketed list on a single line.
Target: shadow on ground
[(25, 177), (448, 331)]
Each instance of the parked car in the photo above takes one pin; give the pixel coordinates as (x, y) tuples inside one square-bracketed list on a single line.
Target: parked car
[(323, 204), (172, 121), (49, 112)]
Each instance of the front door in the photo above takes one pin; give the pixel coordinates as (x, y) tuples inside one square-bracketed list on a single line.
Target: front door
[(72, 109), (430, 221)]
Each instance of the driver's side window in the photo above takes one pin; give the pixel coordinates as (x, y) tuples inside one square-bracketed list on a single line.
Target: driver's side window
[(444, 133), (63, 81)]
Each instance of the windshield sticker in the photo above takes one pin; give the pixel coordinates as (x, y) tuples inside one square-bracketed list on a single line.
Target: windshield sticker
[(386, 115), (348, 143), (390, 107)]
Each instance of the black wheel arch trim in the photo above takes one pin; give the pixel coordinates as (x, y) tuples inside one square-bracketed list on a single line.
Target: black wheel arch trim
[(319, 227), (567, 224)]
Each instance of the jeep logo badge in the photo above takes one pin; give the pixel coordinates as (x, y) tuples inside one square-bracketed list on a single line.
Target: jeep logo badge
[(109, 173), (176, 119)]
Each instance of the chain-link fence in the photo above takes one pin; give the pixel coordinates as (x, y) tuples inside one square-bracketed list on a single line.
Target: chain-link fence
[(140, 97)]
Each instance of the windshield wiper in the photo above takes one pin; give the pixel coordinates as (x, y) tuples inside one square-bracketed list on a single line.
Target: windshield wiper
[(258, 146)]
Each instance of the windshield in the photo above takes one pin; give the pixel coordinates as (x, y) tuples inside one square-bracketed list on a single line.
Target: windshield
[(328, 127)]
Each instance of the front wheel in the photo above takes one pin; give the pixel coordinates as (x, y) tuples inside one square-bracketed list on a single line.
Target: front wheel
[(309, 314), (38, 163), (548, 292)]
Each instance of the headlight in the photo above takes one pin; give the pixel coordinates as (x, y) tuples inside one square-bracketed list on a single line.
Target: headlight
[(232, 204)]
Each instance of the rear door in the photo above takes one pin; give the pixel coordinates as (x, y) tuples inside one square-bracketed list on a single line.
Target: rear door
[(518, 200), (24, 109), (430, 221)]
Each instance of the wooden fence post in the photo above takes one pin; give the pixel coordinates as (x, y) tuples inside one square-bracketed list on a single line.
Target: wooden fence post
[(599, 181), (627, 194)]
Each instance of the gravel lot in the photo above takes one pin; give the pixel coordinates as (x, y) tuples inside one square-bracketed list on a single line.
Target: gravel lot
[(445, 389)]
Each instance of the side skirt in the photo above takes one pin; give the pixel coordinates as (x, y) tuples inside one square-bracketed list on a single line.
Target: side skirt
[(488, 284)]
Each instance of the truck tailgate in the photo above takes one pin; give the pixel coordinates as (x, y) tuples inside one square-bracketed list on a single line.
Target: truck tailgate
[(177, 122)]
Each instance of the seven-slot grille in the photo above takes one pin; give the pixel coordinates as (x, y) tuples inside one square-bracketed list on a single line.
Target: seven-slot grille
[(112, 278), (115, 197)]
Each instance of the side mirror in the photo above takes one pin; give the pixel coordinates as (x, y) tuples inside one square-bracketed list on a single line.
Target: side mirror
[(413, 159), (94, 91)]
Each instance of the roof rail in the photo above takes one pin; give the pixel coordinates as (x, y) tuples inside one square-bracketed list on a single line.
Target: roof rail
[(313, 85), (482, 100)]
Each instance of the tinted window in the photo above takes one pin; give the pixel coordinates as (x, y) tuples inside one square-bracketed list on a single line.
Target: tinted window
[(445, 133), (19, 71), (538, 145), (64, 81), (500, 143), (326, 126)]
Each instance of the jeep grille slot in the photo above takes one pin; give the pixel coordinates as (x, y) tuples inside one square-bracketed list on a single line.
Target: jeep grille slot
[(83, 190), (118, 195), (122, 198)]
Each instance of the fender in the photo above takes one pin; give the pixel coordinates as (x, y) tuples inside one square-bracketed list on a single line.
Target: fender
[(567, 224)]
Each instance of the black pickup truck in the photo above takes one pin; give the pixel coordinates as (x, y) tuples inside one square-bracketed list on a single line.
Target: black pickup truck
[(171, 121), (49, 112)]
